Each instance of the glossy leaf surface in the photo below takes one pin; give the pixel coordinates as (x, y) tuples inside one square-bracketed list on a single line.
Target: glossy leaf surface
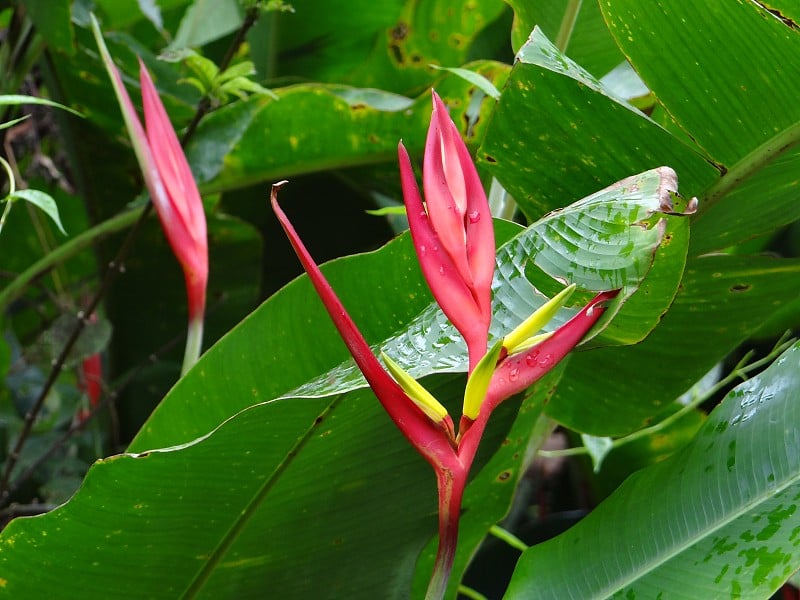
[(296, 481), (728, 501)]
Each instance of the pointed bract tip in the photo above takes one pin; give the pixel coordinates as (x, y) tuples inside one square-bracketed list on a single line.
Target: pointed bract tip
[(432, 408), (520, 336), (479, 379)]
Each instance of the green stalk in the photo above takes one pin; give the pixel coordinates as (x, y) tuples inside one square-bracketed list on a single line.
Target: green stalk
[(567, 24), (66, 250), (194, 344), (11, 190)]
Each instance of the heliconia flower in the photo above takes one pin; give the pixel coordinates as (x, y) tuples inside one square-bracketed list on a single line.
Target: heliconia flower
[(452, 233), (178, 202), (454, 242), (172, 188), (90, 382), (423, 421)]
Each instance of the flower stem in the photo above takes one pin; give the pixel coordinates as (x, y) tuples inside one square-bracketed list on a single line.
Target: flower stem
[(451, 492), (194, 344)]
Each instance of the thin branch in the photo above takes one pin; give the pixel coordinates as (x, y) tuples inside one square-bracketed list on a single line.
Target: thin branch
[(204, 105), (740, 371), (114, 267), (106, 401)]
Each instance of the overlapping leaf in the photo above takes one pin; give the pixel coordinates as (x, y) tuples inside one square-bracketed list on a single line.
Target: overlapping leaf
[(725, 520), (321, 482), (744, 115), (607, 241), (557, 134)]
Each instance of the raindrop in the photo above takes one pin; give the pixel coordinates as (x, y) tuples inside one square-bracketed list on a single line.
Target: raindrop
[(422, 249), (530, 360), (514, 374), (474, 216), (545, 360), (441, 270)]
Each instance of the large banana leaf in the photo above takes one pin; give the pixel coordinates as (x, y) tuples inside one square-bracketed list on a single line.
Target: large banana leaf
[(572, 130), (602, 242), (745, 115), (724, 522), (313, 495)]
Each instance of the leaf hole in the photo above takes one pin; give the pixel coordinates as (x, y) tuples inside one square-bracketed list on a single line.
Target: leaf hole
[(504, 475)]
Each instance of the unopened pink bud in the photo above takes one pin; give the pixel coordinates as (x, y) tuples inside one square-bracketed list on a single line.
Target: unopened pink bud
[(453, 233)]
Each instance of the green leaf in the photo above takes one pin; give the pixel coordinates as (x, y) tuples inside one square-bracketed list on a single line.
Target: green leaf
[(118, 14), (727, 501), (259, 139), (52, 21), (744, 115), (742, 105), (387, 45), (722, 300), (206, 21), (253, 501), (571, 135), (590, 44), (42, 200), (13, 122), (478, 80), (13, 99)]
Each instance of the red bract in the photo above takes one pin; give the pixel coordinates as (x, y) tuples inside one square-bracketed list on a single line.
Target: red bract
[(175, 196), (457, 257), (453, 234), (426, 435), (171, 185), (172, 189)]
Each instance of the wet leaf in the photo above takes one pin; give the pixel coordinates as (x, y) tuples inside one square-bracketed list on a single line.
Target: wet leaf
[(728, 502)]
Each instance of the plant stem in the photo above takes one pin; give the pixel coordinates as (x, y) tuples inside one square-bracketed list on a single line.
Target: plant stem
[(194, 343), (451, 491), (470, 593), (508, 537), (14, 289), (204, 105), (567, 24), (740, 371)]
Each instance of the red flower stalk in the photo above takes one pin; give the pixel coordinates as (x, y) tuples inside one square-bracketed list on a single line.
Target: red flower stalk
[(453, 233), (172, 189), (510, 366)]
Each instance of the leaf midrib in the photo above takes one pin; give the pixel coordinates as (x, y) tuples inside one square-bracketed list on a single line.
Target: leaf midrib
[(689, 542), (214, 559)]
